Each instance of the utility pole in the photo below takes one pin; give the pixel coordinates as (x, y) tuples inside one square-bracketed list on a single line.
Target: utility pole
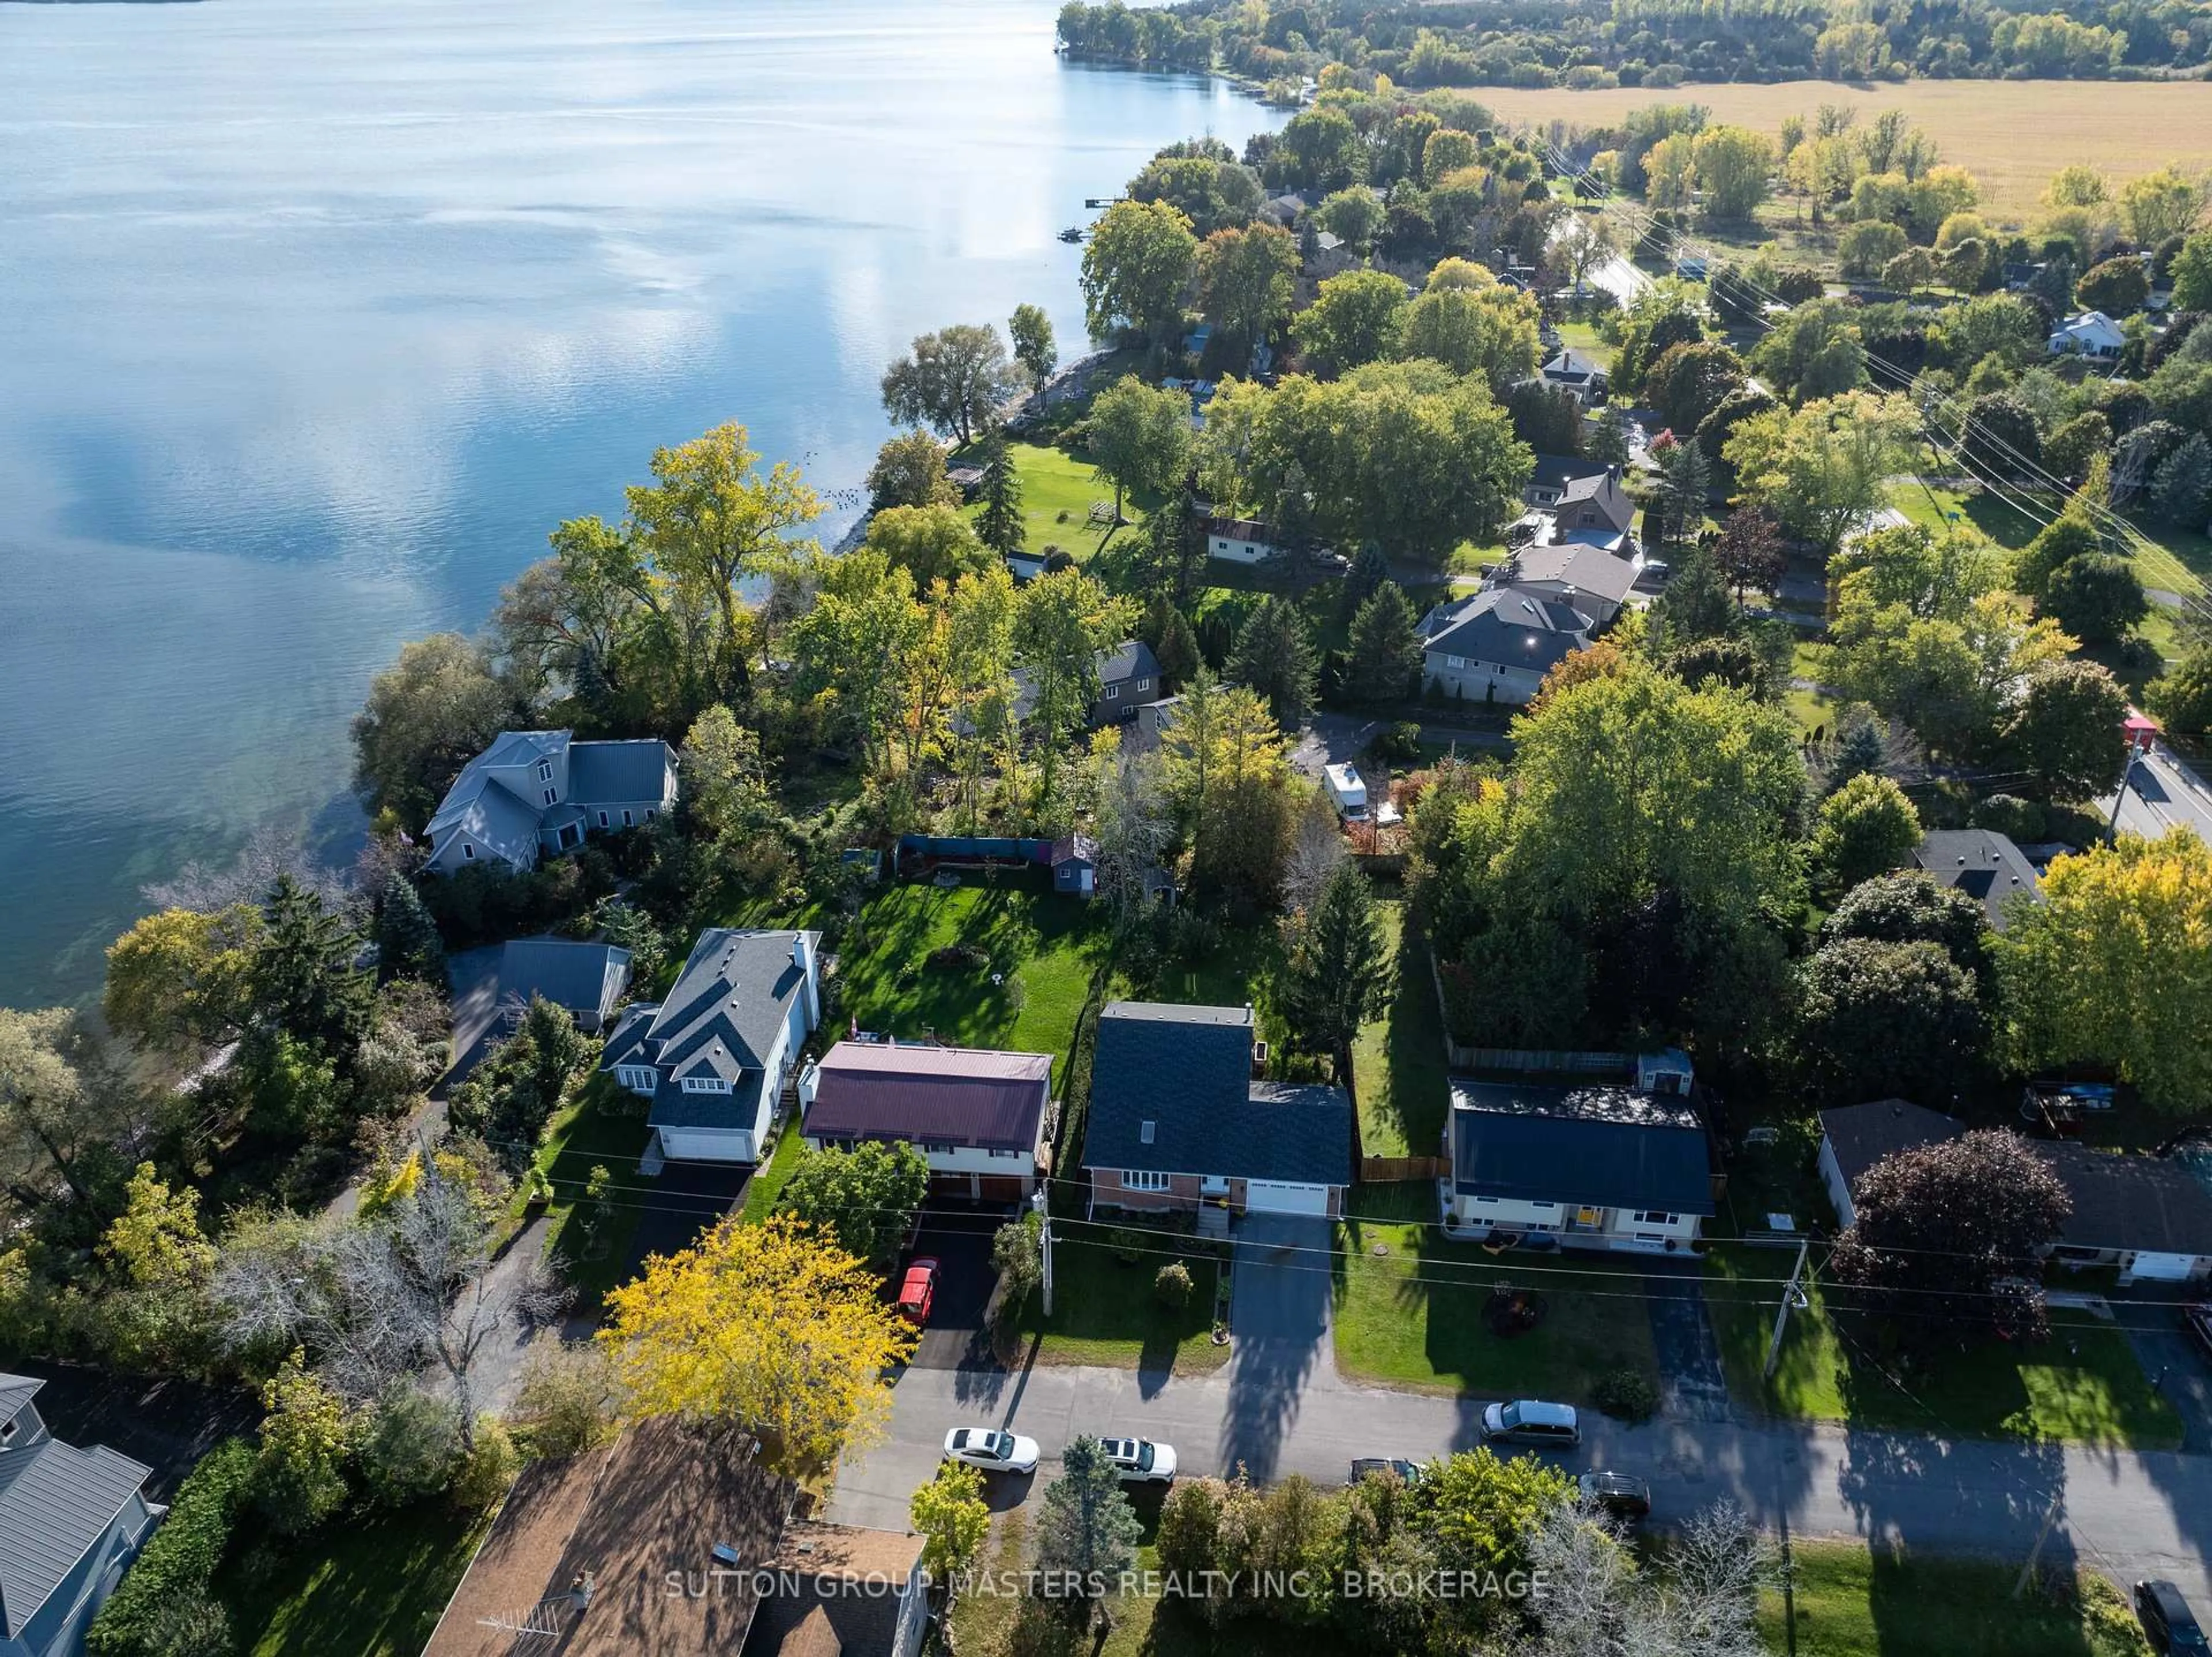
[(1792, 1295), (1044, 1246), (2035, 1553)]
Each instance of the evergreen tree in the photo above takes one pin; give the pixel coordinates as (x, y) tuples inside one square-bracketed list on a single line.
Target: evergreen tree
[(1858, 753), (303, 980), (1696, 604), (1370, 570), (1087, 1531), (1382, 655), (1274, 659), (1609, 439), (1335, 977), (1002, 528), (1174, 645), (407, 941), (2181, 489), (1684, 480)]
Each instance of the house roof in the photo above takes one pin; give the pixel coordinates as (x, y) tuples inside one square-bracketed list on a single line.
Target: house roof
[(1597, 1147), (1588, 486), (1172, 1092), (828, 1594), (1131, 659), (584, 977), (721, 1018), (1981, 863), (942, 1095), (1586, 567), (1863, 1134), (16, 1392), (1558, 470), (611, 773), (1575, 367), (57, 1501), (1241, 529), (1076, 847), (490, 814), (659, 1499), (1505, 625)]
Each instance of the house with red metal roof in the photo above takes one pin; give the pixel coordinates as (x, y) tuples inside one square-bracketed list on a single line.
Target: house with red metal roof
[(979, 1117)]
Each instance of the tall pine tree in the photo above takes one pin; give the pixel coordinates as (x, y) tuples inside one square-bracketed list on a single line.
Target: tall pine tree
[(1002, 528)]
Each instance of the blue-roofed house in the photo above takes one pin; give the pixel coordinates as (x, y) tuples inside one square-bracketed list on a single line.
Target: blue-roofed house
[(585, 978), (714, 1056), (533, 792), (1588, 1165), (1177, 1119), (71, 1520)]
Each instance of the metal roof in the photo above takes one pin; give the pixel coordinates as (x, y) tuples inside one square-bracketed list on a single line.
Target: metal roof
[(617, 773), (584, 977), (940, 1096), (1597, 1147), (56, 1502)]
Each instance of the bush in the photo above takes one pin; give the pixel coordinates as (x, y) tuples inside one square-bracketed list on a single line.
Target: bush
[(193, 1624), (1626, 1394), (487, 1469), (568, 1398), (180, 1560), (410, 1446), (2011, 816), (1172, 1287)]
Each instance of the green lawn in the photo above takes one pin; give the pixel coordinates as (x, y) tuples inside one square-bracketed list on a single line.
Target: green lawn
[(2173, 560), (370, 1587), (600, 1124), (1413, 1317), (1846, 1601), (1104, 1311), (1584, 336), (768, 1182), (1398, 1061), (1056, 482), (1046, 949), (2083, 1385)]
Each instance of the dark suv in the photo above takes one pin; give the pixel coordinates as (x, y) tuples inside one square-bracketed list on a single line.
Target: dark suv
[(2166, 1619), (1621, 1496)]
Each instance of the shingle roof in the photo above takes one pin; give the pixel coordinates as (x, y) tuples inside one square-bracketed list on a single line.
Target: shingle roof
[(1558, 470), (1571, 364), (1981, 863), (1505, 625), (56, 1503), (1131, 659), (721, 1018), (1597, 1147), (1187, 1071), (1579, 565), (584, 977), (942, 1095), (2145, 1203), (614, 773), (1863, 1134)]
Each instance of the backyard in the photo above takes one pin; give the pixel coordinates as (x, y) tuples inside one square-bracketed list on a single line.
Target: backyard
[(1398, 1061), (1409, 1312), (1057, 491), (371, 1586)]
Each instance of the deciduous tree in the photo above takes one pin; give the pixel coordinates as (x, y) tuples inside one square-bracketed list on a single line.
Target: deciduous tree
[(1030, 329), (178, 981), (1864, 828), (909, 471), (2065, 729), (952, 381), (1357, 317), (1139, 437), (953, 1520), (1137, 267), (435, 709), (1884, 1020), (866, 1198), (1244, 281)]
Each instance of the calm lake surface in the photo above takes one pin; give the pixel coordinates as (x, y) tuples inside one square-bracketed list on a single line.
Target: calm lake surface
[(316, 315)]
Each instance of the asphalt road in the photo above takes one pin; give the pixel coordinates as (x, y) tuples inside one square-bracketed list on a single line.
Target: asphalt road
[(2162, 794), (2128, 1516)]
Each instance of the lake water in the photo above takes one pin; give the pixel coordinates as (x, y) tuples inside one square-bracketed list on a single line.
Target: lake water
[(316, 315)]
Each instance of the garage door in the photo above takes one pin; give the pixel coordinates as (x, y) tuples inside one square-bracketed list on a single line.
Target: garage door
[(1269, 1196)]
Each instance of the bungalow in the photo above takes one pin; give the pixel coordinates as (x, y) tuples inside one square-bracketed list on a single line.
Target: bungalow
[(2087, 333), (977, 1117), (1592, 572), (533, 792), (585, 978), (714, 1057), (1241, 540), (1581, 377), (1590, 1165), (71, 1521), (1497, 645), (2146, 1215), (1985, 865), (1177, 1120)]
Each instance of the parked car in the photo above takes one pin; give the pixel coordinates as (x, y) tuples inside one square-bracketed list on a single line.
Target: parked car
[(991, 1450), (1531, 1420), (1140, 1461), (2198, 1317), (1621, 1495), (918, 1293), (1409, 1472), (2168, 1621)]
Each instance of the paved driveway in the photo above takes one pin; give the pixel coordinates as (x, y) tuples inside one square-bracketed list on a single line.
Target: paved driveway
[(1692, 1385), (1278, 1319), (958, 1337), (2175, 1364)]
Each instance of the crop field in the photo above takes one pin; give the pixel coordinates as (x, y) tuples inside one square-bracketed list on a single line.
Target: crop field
[(2011, 134)]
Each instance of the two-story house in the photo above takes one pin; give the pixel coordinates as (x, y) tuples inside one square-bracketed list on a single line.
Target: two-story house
[(71, 1520), (534, 792), (1582, 376), (1497, 645), (714, 1055), (1128, 677), (977, 1117)]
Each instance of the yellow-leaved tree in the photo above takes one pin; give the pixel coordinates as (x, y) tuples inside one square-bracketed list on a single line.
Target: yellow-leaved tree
[(772, 1328)]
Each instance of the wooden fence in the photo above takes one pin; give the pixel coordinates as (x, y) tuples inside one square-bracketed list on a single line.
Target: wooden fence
[(1376, 1170), (1557, 1062)]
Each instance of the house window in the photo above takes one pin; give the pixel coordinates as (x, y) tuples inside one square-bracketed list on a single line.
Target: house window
[(1147, 1133), (938, 1147), (1113, 693), (1143, 1179), (633, 1078), (1221, 547), (1654, 1217), (603, 820), (468, 851), (648, 813), (705, 1085), (995, 1151), (627, 819), (549, 796), (1546, 1207)]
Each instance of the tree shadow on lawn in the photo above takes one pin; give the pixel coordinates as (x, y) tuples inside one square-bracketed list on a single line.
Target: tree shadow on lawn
[(372, 1585), (1415, 1099)]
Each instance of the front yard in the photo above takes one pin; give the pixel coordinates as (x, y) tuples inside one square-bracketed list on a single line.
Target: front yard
[(1413, 1316), (599, 1126), (1105, 1311)]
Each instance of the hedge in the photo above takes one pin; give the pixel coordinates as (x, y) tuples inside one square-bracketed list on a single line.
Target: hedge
[(181, 1559)]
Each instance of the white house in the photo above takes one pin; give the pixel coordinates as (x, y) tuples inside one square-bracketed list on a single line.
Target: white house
[(71, 1520), (2091, 334), (1595, 1165), (1497, 645), (1240, 540), (713, 1057), (978, 1118), (533, 792)]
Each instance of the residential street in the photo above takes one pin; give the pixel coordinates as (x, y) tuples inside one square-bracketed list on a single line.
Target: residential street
[(2128, 1516), (2162, 794)]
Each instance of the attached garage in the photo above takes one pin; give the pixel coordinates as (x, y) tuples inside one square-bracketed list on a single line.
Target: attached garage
[(1282, 1197), (707, 1145)]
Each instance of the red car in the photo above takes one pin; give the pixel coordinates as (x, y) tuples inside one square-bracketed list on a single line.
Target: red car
[(918, 1293)]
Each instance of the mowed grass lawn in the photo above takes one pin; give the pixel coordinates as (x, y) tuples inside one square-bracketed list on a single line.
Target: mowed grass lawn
[(1413, 1316), (370, 1587), (2011, 134), (2083, 1385), (1105, 1310), (1846, 1601), (600, 1125), (1398, 1061), (1044, 949), (1053, 483)]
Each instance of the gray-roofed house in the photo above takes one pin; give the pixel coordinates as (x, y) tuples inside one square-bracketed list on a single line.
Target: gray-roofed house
[(2148, 1215), (1985, 865), (977, 1116), (1592, 500), (1176, 1119), (71, 1520), (1128, 677), (1592, 572), (1552, 475), (1497, 645), (713, 1057), (533, 792), (1592, 1166), (1582, 376), (588, 979)]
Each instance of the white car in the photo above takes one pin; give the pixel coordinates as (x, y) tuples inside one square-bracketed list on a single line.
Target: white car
[(993, 1451), (1140, 1461)]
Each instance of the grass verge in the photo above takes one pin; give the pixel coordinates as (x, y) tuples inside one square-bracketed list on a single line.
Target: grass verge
[(1105, 1311)]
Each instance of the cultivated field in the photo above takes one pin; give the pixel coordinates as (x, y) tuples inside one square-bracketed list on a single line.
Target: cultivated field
[(2011, 134)]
